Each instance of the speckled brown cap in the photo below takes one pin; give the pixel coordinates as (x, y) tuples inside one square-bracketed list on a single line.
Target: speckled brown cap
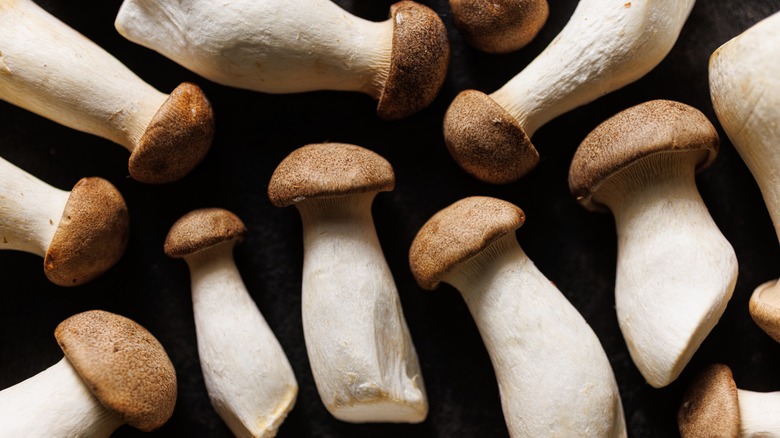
[(419, 60), (710, 407), (92, 234), (329, 170), (123, 365), (642, 131), (458, 233), (177, 138), (201, 229), (486, 141), (499, 26), (765, 308)]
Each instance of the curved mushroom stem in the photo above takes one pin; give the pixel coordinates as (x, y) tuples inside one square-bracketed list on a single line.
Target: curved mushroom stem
[(362, 357), (604, 46), (30, 210), (271, 46), (675, 270), (758, 413), (248, 377), (55, 403), (52, 70), (552, 373)]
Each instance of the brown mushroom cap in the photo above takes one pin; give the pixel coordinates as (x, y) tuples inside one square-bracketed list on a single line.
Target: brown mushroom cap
[(765, 308), (177, 138), (710, 407), (632, 135), (458, 233), (329, 170), (486, 141), (499, 26), (92, 234), (202, 229), (419, 60), (123, 365)]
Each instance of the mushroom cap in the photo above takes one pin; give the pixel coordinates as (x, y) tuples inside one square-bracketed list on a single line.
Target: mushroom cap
[(418, 62), (177, 138), (202, 229), (765, 308), (710, 407), (329, 170), (486, 141), (458, 233), (123, 365), (499, 26), (92, 234), (645, 130)]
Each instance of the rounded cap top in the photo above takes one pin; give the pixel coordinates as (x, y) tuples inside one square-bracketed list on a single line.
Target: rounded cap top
[(710, 406), (177, 138), (648, 129), (486, 141), (92, 234), (201, 229), (499, 26), (329, 170), (765, 308), (419, 59), (123, 365), (459, 232)]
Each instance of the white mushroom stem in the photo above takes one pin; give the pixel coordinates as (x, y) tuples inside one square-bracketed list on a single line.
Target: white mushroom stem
[(274, 46), (361, 354), (54, 403), (249, 380), (52, 70), (30, 210), (553, 375), (758, 413), (606, 45), (675, 270)]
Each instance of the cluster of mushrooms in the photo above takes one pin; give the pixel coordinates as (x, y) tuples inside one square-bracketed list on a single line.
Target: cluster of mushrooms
[(675, 271)]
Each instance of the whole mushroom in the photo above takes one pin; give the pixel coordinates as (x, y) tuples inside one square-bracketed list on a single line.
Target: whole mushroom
[(52, 70), (675, 270), (290, 46), (114, 372), (361, 354), (605, 45), (499, 26), (80, 234), (553, 375)]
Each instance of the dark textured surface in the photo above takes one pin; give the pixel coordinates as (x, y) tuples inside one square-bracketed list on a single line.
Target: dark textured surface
[(576, 249)]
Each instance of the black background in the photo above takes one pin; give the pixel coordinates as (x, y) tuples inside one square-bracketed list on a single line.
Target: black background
[(572, 247)]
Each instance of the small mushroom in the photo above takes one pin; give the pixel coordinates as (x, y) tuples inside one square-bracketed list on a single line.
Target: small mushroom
[(745, 89), (553, 375), (114, 372), (499, 26), (714, 407), (675, 270), (248, 378), (80, 234), (362, 357), (291, 46), (50, 69), (605, 45)]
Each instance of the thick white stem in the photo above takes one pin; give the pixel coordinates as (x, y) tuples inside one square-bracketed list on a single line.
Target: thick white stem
[(553, 375), (759, 414), (606, 45), (248, 377), (675, 270), (30, 210), (52, 70), (54, 403), (361, 353), (275, 46)]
